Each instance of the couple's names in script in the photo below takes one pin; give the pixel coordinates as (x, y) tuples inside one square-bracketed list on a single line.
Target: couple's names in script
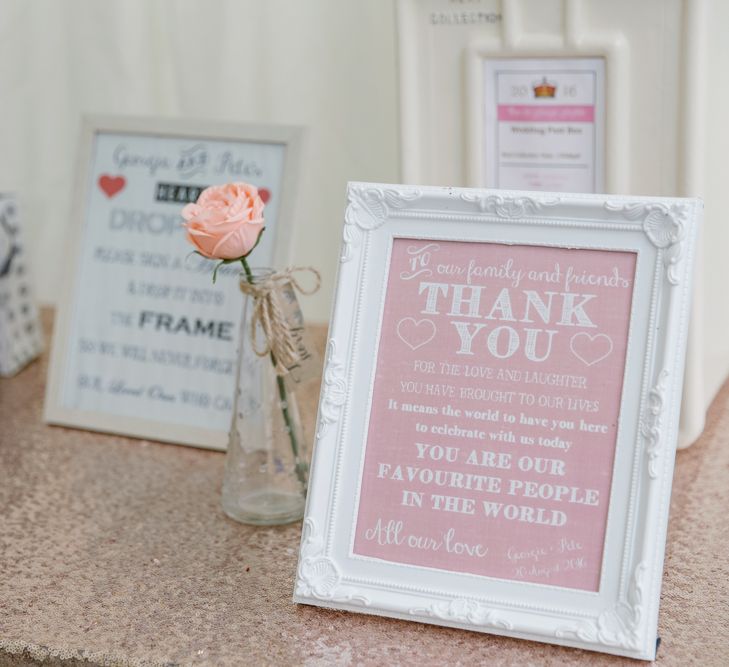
[(190, 161)]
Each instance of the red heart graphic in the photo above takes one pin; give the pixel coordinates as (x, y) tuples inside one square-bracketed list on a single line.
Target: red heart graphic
[(265, 194), (111, 185)]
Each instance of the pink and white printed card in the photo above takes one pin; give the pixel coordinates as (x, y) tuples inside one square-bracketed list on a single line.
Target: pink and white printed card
[(498, 413), (495, 410)]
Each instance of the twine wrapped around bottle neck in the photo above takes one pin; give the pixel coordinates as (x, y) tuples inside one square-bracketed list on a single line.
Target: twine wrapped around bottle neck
[(269, 314)]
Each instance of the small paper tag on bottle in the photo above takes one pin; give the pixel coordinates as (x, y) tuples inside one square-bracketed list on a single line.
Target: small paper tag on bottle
[(309, 364)]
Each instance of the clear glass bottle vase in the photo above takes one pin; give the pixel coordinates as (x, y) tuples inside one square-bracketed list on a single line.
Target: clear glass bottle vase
[(266, 468)]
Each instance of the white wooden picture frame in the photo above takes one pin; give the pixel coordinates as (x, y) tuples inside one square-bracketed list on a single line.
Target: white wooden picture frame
[(601, 593), (133, 176)]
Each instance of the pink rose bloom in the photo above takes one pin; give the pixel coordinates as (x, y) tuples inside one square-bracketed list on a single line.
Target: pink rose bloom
[(226, 220)]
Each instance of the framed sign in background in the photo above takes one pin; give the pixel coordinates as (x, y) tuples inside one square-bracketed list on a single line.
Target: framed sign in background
[(543, 124), (144, 343), (499, 412)]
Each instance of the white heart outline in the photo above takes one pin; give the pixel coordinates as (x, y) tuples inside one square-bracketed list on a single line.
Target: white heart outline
[(417, 323), (592, 340)]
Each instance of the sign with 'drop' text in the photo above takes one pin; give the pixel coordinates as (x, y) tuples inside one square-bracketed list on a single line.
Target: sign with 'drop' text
[(146, 342), (499, 410)]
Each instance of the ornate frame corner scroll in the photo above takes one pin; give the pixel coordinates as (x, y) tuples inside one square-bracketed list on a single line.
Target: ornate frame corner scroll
[(318, 575), (368, 208), (621, 618), (663, 224)]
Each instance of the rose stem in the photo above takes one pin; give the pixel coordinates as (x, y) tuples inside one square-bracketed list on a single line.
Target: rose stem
[(300, 468)]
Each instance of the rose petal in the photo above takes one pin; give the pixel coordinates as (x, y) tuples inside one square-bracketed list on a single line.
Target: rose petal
[(190, 211), (237, 243), (226, 220)]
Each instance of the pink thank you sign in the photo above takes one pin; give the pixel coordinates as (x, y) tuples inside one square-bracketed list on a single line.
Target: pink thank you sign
[(495, 408)]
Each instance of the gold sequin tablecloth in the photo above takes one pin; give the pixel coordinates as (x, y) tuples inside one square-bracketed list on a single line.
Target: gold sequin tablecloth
[(115, 551)]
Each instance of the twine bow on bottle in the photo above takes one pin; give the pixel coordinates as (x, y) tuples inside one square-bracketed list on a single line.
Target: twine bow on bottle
[(279, 339)]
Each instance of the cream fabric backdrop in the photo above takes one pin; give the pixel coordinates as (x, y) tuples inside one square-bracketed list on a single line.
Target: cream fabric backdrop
[(329, 65)]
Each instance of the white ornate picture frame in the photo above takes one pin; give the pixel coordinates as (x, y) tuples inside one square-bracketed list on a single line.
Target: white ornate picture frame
[(606, 601)]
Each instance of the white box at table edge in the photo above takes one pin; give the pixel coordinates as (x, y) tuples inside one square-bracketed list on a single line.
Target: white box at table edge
[(29, 343)]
